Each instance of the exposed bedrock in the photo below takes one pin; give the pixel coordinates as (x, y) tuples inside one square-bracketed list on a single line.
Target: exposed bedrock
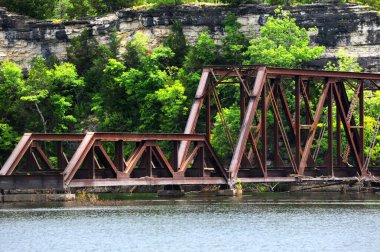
[(355, 28)]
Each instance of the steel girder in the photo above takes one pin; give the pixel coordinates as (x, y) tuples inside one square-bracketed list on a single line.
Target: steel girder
[(266, 86), (283, 105), (146, 164)]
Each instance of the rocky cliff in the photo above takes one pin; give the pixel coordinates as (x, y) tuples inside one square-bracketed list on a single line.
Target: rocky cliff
[(348, 26)]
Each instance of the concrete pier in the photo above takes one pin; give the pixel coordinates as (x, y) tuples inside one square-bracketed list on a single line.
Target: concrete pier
[(36, 197)]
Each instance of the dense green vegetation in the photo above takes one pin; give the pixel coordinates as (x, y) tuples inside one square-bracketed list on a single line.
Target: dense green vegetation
[(70, 9), (145, 89)]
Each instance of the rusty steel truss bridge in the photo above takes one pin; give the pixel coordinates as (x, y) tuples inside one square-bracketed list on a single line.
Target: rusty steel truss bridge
[(280, 138)]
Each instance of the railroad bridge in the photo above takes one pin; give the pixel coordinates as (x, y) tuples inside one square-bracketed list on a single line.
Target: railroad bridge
[(280, 138)]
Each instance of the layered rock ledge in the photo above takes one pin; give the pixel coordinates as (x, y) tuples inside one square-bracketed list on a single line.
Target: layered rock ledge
[(355, 28)]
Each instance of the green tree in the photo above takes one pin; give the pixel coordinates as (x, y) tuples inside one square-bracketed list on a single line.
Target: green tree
[(165, 109), (176, 41), (8, 139), (84, 8), (282, 44), (40, 9), (144, 96), (61, 9), (52, 94), (234, 42), (218, 139), (83, 50), (344, 63), (165, 2), (11, 84), (136, 49), (110, 102), (205, 52), (37, 88), (233, 2)]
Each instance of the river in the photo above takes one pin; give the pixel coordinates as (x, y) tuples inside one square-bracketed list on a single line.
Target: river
[(255, 222)]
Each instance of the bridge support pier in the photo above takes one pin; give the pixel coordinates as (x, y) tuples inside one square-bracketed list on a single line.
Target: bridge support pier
[(230, 192), (171, 191)]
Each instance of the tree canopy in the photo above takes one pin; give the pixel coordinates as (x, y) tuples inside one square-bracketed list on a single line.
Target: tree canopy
[(72, 9)]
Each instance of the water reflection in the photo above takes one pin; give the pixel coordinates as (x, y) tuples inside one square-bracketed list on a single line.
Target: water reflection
[(272, 222)]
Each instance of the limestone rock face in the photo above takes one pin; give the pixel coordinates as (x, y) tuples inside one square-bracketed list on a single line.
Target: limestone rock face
[(355, 28)]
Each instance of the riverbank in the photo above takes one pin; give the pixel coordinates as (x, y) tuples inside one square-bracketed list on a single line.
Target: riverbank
[(98, 194), (141, 199)]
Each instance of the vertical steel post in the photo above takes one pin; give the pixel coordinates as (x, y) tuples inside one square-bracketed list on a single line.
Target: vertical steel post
[(60, 157), (263, 130), (208, 116), (338, 137), (199, 161), (119, 155), (361, 123), (308, 119), (276, 145), (149, 171), (174, 160), (90, 163), (330, 130), (297, 122), (29, 164), (242, 103)]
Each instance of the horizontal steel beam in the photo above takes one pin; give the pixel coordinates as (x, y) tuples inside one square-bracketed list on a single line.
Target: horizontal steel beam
[(116, 136), (147, 181), (57, 137), (31, 182), (200, 181), (322, 74), (283, 73), (293, 179), (148, 137)]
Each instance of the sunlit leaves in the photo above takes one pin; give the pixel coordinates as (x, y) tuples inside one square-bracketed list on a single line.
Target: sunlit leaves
[(282, 44)]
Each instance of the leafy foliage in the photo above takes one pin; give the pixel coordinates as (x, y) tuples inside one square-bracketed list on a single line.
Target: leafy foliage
[(205, 52), (235, 43), (219, 140), (52, 94), (344, 63), (65, 9), (40, 9), (176, 41), (8, 139), (145, 84), (282, 44)]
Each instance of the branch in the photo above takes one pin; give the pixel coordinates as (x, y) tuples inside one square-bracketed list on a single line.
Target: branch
[(42, 117)]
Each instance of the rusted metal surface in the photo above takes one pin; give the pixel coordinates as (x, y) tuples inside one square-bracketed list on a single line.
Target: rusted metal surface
[(189, 158), (16, 155), (11, 182), (247, 122)]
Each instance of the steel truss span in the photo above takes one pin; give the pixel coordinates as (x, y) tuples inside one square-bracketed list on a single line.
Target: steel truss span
[(295, 125)]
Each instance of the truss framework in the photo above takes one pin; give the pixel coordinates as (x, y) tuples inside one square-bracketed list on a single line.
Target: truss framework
[(281, 98)]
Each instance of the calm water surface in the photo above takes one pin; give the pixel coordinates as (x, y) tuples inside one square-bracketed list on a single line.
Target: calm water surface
[(270, 222)]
